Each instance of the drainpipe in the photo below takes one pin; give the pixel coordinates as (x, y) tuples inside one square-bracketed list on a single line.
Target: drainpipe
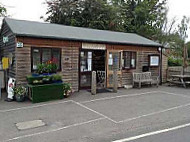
[(160, 50)]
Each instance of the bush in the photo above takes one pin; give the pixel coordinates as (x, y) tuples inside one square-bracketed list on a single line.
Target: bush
[(175, 61), (56, 77), (67, 90)]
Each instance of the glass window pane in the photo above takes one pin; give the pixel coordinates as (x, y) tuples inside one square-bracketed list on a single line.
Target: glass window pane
[(56, 57), (36, 58), (46, 55), (126, 59), (86, 61), (133, 60)]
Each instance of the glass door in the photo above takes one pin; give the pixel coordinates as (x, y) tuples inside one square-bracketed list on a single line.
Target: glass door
[(85, 69), (110, 60)]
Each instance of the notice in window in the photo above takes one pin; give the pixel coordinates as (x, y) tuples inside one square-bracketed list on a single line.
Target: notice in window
[(154, 60)]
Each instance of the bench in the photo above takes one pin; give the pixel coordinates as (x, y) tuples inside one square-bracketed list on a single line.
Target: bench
[(144, 77)]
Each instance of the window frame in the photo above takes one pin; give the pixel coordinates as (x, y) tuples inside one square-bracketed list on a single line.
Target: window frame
[(40, 50), (131, 53), (154, 55)]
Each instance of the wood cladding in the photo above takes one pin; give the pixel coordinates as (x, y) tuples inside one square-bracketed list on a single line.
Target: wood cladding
[(9, 47)]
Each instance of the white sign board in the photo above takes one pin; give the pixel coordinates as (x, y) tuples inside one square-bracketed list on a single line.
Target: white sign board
[(19, 45), (5, 39), (154, 60), (93, 46)]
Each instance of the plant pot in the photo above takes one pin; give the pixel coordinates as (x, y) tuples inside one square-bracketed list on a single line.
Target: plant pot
[(20, 98), (57, 81), (35, 75)]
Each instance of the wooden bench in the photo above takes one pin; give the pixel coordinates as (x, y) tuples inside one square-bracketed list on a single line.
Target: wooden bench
[(144, 77)]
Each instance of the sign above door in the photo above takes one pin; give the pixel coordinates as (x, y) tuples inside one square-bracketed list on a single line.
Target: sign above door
[(93, 46)]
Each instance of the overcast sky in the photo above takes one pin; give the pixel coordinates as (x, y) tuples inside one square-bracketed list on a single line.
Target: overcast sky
[(34, 9)]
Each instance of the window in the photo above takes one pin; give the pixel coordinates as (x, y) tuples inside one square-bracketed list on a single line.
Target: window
[(86, 61), (117, 60), (42, 55), (129, 60)]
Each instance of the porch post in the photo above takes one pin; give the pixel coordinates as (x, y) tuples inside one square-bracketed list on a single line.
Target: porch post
[(0, 89), (93, 85), (115, 75)]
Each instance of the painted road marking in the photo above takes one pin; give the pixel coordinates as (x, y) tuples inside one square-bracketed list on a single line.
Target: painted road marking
[(35, 106), (121, 96), (104, 116), (153, 113), (61, 102), (180, 95), (54, 130), (152, 133)]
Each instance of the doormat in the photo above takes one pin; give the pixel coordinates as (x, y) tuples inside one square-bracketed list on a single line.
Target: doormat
[(103, 90)]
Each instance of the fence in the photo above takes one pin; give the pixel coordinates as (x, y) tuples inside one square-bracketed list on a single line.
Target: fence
[(178, 70)]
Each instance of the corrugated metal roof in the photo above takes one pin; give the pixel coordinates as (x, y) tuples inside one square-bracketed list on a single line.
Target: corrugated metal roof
[(56, 31)]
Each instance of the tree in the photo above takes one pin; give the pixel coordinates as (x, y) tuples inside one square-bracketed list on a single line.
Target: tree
[(3, 10), (96, 14), (144, 17), (182, 32)]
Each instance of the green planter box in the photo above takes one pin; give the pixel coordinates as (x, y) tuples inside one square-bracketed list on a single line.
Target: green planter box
[(46, 92)]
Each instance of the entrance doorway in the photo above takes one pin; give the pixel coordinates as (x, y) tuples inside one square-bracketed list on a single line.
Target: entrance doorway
[(91, 60)]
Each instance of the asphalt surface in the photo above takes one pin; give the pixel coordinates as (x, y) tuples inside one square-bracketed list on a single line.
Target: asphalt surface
[(180, 135), (104, 117)]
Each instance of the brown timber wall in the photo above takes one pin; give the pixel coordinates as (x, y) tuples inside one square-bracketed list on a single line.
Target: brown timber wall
[(7, 48), (69, 50), (141, 60)]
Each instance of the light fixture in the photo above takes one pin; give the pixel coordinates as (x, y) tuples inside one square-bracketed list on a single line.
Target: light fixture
[(159, 49)]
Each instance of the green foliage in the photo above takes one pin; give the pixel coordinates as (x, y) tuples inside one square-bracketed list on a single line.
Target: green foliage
[(19, 91), (56, 77), (3, 11), (143, 17), (66, 89), (47, 68), (188, 49), (174, 61)]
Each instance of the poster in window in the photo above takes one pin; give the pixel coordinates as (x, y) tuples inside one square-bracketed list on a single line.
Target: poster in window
[(110, 60), (154, 60)]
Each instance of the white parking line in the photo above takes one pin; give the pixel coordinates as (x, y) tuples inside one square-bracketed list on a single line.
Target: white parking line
[(34, 106), (54, 130), (153, 113), (180, 95), (152, 133), (108, 98), (94, 111)]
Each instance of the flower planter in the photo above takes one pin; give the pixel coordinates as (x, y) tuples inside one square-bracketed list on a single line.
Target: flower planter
[(45, 92), (20, 98)]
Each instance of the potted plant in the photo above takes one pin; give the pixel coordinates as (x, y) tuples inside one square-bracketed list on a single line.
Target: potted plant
[(56, 78), (67, 90), (19, 93)]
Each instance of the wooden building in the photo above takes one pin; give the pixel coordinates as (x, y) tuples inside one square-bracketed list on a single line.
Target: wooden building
[(79, 52)]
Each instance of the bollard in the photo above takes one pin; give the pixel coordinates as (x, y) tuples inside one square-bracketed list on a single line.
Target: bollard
[(115, 75), (115, 81), (0, 89), (93, 85)]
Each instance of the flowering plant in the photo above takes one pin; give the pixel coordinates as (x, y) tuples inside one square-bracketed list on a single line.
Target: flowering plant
[(49, 67)]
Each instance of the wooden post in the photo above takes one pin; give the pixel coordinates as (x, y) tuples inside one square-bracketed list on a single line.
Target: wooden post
[(93, 85), (115, 75), (0, 89)]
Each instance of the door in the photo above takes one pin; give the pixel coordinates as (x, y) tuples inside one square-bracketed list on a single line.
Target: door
[(110, 60), (85, 69)]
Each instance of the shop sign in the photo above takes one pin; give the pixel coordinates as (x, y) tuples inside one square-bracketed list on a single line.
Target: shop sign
[(92, 46), (5, 39), (19, 45)]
